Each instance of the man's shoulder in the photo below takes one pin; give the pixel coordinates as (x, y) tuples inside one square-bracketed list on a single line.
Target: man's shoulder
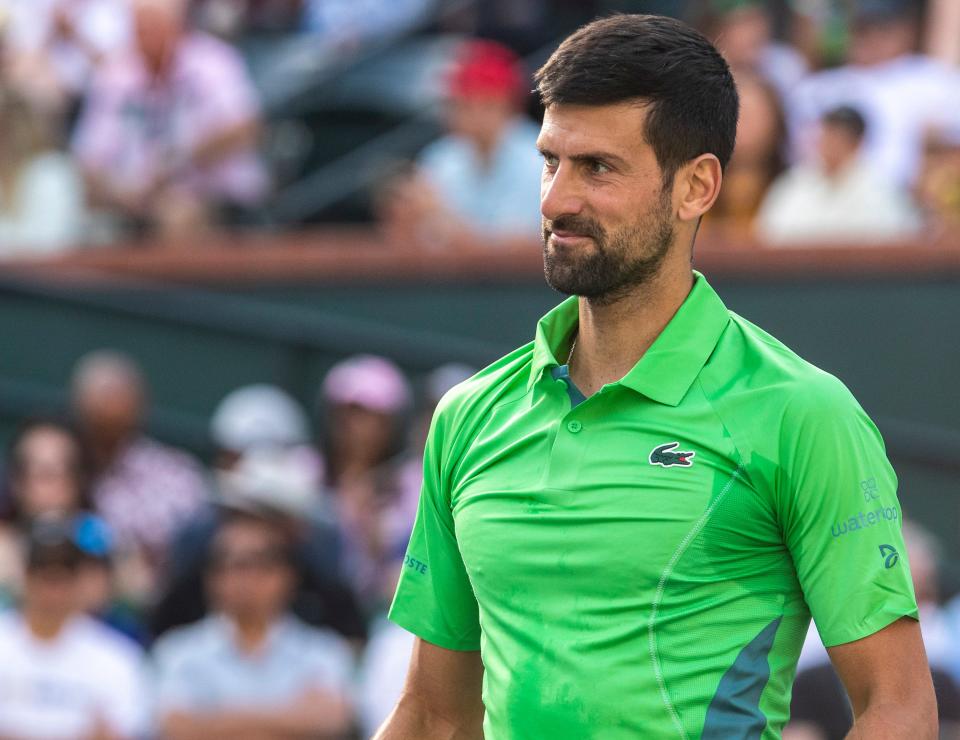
[(194, 640), (767, 368), (105, 647)]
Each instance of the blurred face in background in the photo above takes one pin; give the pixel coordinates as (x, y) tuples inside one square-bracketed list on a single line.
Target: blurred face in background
[(109, 407), (760, 125), (837, 147), (360, 434), (52, 589), (47, 473), (250, 576), (158, 26), (480, 118), (742, 35), (878, 42)]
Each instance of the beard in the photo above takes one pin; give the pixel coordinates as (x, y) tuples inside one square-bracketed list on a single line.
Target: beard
[(621, 261)]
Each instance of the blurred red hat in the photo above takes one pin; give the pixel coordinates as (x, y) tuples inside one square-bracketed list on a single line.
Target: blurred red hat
[(486, 69)]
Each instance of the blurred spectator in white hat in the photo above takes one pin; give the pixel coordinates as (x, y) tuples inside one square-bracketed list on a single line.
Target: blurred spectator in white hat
[(257, 416), (251, 668), (282, 483), (64, 674), (168, 135), (143, 488)]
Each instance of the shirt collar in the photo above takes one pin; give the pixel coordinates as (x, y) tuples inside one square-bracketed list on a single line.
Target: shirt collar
[(667, 370)]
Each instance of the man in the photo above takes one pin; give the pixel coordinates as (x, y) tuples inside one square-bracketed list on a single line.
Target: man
[(633, 517), (837, 196), (62, 674), (144, 489), (168, 133), (251, 669)]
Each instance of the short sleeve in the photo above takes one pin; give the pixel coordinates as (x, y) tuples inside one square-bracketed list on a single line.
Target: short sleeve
[(434, 598), (124, 694), (840, 516), (174, 683)]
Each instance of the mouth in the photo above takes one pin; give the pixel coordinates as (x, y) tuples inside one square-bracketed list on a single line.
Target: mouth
[(568, 238)]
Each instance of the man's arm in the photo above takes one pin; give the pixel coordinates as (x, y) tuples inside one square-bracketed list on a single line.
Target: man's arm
[(888, 680), (441, 698)]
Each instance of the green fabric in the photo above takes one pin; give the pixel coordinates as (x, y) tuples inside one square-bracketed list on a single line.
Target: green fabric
[(610, 578)]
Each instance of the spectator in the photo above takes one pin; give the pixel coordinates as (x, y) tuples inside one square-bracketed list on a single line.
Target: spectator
[(938, 185), (62, 674), (54, 47), (252, 668), (743, 30), (41, 191), (900, 93), (143, 488), (366, 400), (281, 483), (840, 197), (758, 158), (45, 477), (168, 135), (482, 180), (386, 658)]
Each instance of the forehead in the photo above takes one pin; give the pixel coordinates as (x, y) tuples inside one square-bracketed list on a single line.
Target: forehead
[(617, 128)]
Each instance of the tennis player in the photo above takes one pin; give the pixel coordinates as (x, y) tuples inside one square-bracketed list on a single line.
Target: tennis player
[(626, 525)]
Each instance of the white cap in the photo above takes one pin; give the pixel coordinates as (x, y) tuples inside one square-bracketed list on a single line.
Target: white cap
[(259, 416), (285, 481)]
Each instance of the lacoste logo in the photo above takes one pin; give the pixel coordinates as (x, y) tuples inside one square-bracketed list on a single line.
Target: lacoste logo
[(665, 456), (890, 555)]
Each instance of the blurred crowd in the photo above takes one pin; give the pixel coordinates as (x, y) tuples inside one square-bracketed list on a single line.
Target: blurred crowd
[(147, 594), (130, 118)]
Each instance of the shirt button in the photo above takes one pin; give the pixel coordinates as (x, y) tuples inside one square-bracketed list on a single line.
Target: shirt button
[(574, 426)]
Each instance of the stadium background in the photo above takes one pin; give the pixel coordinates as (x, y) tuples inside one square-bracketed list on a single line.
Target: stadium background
[(282, 289)]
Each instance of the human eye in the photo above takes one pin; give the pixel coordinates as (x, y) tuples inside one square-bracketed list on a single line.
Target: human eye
[(550, 160), (598, 167)]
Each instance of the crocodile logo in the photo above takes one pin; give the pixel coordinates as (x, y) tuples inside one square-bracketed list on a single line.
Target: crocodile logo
[(664, 455)]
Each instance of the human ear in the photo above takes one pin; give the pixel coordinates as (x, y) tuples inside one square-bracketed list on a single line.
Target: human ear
[(699, 186)]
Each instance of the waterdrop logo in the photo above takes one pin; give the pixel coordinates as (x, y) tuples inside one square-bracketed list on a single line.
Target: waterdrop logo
[(890, 555)]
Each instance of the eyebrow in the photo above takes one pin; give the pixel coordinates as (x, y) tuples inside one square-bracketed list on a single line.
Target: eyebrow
[(613, 159)]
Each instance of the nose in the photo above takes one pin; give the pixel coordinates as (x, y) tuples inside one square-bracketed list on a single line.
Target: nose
[(560, 193)]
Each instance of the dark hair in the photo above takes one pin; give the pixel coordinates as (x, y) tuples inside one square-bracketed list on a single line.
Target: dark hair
[(847, 118), (656, 60), (10, 506)]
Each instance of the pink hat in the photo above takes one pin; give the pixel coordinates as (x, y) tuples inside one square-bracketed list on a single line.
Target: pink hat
[(369, 381)]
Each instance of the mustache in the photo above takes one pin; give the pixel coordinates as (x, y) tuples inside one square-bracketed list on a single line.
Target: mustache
[(579, 225)]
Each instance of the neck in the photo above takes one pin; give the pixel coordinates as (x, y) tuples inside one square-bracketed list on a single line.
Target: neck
[(613, 337), (251, 631), (43, 624)]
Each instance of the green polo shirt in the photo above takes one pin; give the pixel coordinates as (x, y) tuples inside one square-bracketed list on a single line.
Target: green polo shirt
[(644, 562)]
